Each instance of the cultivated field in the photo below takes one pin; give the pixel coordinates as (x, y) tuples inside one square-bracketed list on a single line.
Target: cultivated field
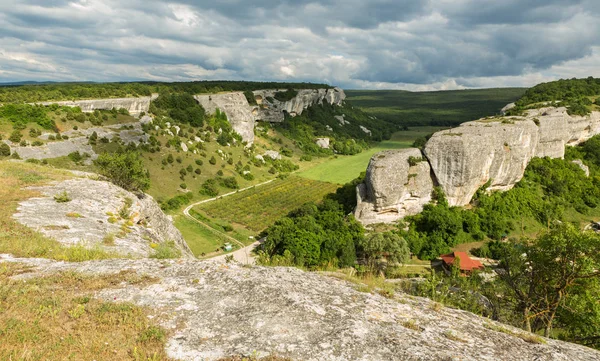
[(433, 108), (259, 207)]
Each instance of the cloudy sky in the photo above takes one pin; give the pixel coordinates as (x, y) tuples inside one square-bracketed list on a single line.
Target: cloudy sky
[(404, 44)]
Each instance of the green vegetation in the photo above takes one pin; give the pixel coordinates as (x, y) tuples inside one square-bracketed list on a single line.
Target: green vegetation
[(575, 94), (344, 169), (72, 91), (180, 107), (55, 317), (260, 207), (124, 169), (439, 108)]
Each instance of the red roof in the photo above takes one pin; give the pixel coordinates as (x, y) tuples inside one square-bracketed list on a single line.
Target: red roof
[(466, 263)]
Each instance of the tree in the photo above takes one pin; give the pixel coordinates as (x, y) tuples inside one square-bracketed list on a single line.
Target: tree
[(378, 248), (124, 169), (4, 150)]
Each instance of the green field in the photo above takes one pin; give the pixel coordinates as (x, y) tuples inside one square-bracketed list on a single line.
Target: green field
[(259, 207), (450, 107), (343, 169)]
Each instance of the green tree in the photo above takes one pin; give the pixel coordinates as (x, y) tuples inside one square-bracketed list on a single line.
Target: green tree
[(124, 169), (4, 150), (379, 249)]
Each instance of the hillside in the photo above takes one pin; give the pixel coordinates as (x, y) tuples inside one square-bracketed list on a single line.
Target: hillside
[(436, 108)]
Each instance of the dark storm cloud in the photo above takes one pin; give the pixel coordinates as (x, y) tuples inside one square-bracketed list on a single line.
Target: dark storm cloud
[(351, 43)]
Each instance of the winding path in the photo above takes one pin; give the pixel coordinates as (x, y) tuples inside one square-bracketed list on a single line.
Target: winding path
[(242, 255)]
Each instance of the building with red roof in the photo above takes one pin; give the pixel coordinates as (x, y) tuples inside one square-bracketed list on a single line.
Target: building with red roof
[(467, 264)]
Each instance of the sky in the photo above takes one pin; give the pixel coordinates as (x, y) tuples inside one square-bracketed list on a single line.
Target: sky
[(355, 44)]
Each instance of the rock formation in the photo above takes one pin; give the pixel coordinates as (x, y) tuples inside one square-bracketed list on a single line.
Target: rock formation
[(323, 142), (216, 310), (393, 187), (93, 214), (243, 116), (134, 106), (492, 151)]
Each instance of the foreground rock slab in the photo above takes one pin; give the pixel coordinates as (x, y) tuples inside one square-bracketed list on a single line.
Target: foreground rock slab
[(214, 310)]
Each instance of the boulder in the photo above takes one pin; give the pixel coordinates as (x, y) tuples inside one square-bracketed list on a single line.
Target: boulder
[(393, 188), (583, 167), (273, 154), (235, 105), (323, 142)]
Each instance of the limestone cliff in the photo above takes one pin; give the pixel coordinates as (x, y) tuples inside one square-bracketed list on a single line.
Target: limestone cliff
[(135, 106), (243, 116), (393, 187), (94, 215), (495, 150)]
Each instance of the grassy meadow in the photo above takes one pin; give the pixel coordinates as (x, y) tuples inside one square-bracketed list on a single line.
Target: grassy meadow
[(343, 169), (450, 107)]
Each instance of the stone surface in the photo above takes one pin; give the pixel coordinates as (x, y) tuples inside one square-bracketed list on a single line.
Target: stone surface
[(507, 107), (583, 167), (465, 158), (273, 154), (493, 150), (135, 106), (216, 310), (85, 219), (240, 114), (393, 188), (323, 142)]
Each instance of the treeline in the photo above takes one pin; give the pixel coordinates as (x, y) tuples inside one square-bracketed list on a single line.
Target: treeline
[(572, 93), (74, 91)]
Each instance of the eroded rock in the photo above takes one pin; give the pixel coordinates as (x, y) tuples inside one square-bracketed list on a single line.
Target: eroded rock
[(92, 217), (394, 188), (135, 106), (216, 310)]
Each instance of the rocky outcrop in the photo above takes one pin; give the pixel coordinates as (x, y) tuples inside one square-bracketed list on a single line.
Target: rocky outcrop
[(323, 142), (273, 110), (394, 188), (215, 310), (583, 167), (465, 158), (92, 217), (135, 106), (493, 151), (240, 114), (243, 116)]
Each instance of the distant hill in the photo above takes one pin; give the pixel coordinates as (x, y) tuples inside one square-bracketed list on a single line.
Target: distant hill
[(440, 108)]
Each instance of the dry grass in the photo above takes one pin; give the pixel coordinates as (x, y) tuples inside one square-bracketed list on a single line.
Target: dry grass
[(56, 318), (367, 283), (255, 358), (451, 335), (20, 240), (525, 336), (411, 324)]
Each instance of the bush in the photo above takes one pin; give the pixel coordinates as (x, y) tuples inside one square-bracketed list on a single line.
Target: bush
[(213, 160), (124, 169), (15, 136), (230, 182), (209, 188), (166, 250), (4, 150), (199, 162), (220, 173), (183, 186)]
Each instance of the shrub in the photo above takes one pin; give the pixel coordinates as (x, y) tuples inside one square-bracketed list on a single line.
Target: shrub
[(166, 250), (209, 188), (15, 136), (199, 162), (213, 160), (220, 173), (4, 150), (183, 186), (62, 197), (230, 182), (124, 169), (198, 171)]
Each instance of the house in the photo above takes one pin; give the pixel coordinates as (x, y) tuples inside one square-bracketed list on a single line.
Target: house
[(466, 265)]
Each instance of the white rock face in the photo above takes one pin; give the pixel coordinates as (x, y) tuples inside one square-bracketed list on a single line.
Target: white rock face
[(465, 158), (393, 189), (273, 110), (495, 150), (323, 142), (273, 154), (84, 220), (507, 107), (583, 167), (235, 105), (135, 106), (243, 116), (498, 150)]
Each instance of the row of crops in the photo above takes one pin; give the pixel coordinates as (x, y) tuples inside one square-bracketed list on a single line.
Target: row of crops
[(259, 207)]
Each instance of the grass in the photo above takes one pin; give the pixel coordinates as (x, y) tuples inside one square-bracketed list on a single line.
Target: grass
[(22, 241), (201, 240), (56, 318), (525, 336), (260, 207), (433, 108), (343, 169), (165, 250)]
